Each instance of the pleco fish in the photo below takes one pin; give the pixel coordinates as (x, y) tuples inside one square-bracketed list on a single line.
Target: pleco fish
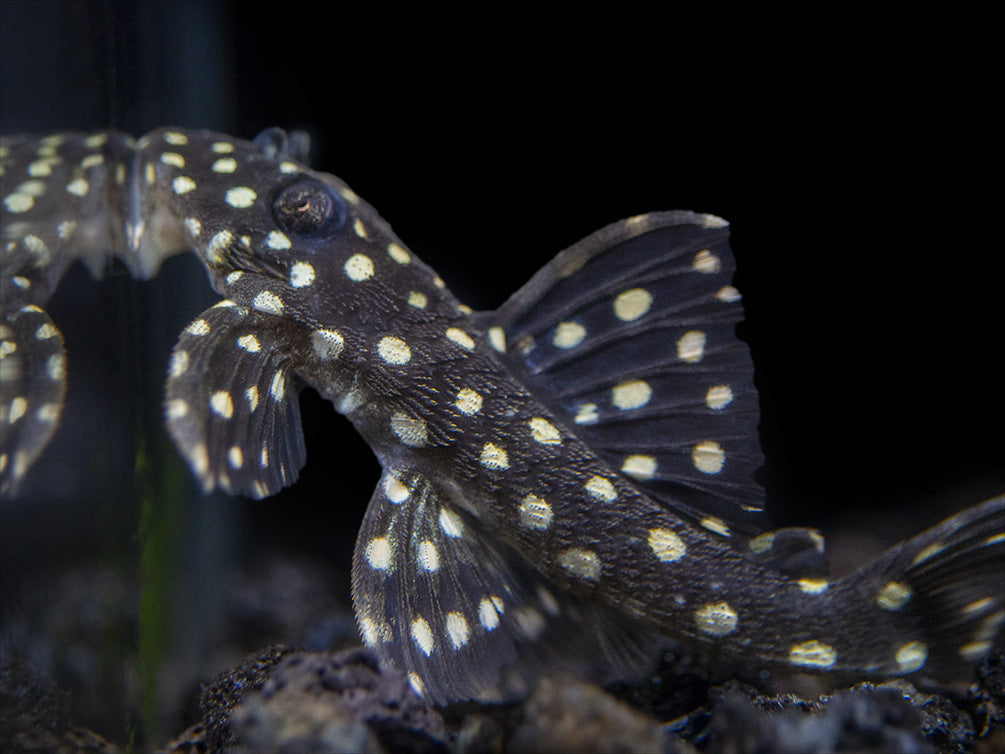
[(566, 480)]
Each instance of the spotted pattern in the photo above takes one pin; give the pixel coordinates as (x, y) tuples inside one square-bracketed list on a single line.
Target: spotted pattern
[(618, 358)]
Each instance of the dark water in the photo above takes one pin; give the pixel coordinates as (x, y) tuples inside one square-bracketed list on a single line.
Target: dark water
[(868, 257)]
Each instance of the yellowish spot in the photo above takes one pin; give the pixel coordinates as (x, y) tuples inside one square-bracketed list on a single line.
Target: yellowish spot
[(708, 457), (717, 525), (423, 636), (241, 197), (182, 184), (691, 346), (718, 619), (249, 343), (174, 159), (640, 467), (535, 513), (581, 563), (451, 523), (395, 489), (569, 335), (544, 432), (409, 430), (601, 489), (78, 187), (327, 344), (487, 614), (912, 657), (494, 457), (706, 262), (457, 629), (277, 240), (893, 596), (632, 304), (461, 338), (813, 654), (813, 586), (394, 350), (225, 165), (222, 404), (398, 254), (666, 545), (268, 303), (378, 553), (468, 401), (631, 394), (497, 339), (301, 274), (426, 556), (359, 267), (718, 397)]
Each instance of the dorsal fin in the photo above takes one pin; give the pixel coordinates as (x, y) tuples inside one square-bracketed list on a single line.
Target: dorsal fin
[(630, 335)]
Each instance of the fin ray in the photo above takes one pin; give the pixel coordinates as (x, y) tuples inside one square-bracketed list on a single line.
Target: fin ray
[(630, 335), (232, 401), (461, 613), (32, 389)]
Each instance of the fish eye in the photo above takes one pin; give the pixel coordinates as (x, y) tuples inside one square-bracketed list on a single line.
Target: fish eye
[(309, 208)]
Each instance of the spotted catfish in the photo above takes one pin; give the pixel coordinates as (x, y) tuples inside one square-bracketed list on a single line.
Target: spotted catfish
[(566, 480)]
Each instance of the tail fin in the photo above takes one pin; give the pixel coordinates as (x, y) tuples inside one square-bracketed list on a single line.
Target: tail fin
[(945, 589)]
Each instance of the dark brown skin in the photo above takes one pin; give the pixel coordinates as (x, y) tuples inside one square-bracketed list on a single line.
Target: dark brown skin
[(567, 480)]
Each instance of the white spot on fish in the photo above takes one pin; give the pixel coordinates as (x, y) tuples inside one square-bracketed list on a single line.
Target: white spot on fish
[(268, 303), (241, 197), (359, 267), (394, 350), (301, 275), (277, 241)]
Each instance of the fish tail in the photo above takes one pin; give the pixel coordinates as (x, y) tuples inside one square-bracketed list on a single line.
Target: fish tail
[(939, 594)]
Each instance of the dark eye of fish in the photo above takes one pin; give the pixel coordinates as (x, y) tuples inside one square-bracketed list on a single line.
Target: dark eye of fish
[(308, 208), (568, 480)]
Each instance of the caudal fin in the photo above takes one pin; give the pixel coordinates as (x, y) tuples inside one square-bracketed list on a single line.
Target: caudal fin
[(944, 591)]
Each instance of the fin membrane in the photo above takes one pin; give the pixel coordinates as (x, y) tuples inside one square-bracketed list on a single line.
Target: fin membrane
[(630, 334), (945, 587), (32, 390), (463, 615), (232, 402)]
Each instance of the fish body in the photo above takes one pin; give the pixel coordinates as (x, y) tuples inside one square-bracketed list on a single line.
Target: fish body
[(566, 480)]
